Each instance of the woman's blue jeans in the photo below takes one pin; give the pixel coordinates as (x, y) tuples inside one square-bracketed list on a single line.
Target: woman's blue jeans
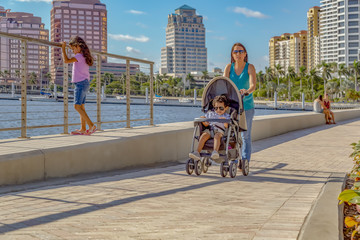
[(246, 135)]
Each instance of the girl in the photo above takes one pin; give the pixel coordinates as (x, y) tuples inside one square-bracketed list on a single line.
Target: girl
[(81, 78), (243, 75)]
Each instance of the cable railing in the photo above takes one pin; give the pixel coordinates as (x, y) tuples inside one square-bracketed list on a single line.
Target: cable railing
[(65, 93)]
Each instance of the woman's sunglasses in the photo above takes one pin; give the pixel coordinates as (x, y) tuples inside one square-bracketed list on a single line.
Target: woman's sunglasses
[(220, 108), (238, 51)]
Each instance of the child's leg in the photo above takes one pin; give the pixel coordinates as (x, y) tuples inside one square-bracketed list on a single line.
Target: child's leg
[(203, 138), (83, 115), (217, 141)]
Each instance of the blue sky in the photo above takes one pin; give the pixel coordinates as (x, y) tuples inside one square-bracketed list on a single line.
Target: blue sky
[(136, 28)]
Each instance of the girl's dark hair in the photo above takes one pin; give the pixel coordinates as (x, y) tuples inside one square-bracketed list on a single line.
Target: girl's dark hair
[(78, 41), (320, 97), (221, 99), (232, 49)]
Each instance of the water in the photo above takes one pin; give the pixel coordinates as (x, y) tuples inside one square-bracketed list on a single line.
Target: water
[(51, 113)]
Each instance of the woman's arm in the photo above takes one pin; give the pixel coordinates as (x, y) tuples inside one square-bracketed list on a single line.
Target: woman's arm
[(252, 78), (227, 70), (65, 57)]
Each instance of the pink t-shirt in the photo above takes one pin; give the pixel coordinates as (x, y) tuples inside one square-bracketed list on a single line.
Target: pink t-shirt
[(80, 70)]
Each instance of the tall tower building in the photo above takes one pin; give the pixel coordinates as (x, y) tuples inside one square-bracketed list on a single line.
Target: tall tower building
[(339, 30), (288, 50), (185, 49), (24, 24), (84, 18), (313, 21)]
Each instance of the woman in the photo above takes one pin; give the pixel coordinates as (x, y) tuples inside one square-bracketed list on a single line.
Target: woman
[(327, 105), (320, 107), (243, 75)]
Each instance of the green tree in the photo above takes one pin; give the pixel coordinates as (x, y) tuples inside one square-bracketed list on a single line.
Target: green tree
[(205, 76), (290, 76), (260, 76), (356, 68), (325, 73), (302, 75), (32, 80)]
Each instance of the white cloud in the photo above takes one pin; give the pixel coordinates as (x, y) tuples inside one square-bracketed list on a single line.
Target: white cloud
[(136, 12), (249, 13), (237, 23), (221, 38), (46, 1), (121, 37), (132, 50), (141, 25), (209, 31)]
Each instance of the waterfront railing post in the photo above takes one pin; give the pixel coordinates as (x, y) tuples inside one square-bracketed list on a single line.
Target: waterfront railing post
[(66, 97), (23, 87), (151, 94), (128, 93), (98, 90)]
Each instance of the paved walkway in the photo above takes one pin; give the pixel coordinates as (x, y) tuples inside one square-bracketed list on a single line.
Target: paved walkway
[(287, 175)]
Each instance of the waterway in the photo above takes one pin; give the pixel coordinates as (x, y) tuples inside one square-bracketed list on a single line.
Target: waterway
[(51, 113)]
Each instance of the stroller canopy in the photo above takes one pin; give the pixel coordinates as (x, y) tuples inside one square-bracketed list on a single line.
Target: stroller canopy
[(224, 86)]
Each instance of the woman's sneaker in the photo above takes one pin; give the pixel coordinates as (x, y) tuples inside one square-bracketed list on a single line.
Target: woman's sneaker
[(215, 155), (195, 155)]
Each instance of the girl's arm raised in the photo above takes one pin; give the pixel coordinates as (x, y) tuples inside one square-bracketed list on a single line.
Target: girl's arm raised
[(65, 57)]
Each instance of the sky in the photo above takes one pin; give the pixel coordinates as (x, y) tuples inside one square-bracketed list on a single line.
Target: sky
[(136, 28)]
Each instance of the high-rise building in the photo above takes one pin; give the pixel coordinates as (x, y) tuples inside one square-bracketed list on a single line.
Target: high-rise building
[(339, 31), (185, 49), (84, 18), (313, 21), (288, 50), (24, 24)]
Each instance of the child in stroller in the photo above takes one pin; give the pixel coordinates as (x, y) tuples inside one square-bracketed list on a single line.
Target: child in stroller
[(214, 130)]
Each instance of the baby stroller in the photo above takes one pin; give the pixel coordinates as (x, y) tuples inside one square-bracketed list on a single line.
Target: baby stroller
[(231, 143)]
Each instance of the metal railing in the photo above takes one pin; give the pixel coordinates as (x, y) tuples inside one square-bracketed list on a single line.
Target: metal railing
[(23, 73)]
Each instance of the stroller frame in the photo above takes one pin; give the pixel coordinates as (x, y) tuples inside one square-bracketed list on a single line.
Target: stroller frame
[(231, 143)]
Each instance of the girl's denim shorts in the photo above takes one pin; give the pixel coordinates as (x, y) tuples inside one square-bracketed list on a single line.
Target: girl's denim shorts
[(81, 88)]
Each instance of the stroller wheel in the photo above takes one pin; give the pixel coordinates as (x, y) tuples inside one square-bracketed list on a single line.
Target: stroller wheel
[(189, 166), (205, 164), (245, 167), (233, 169), (223, 169), (198, 167)]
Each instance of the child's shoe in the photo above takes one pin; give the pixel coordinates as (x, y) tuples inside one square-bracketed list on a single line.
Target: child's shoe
[(215, 155), (195, 155)]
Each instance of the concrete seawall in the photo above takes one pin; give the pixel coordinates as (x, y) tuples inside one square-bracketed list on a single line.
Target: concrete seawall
[(41, 158)]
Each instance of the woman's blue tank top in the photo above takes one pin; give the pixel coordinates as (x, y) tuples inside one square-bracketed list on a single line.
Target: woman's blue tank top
[(242, 82)]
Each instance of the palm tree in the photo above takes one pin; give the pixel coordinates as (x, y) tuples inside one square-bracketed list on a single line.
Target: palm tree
[(313, 77), (356, 67), (269, 77), (279, 72), (190, 78), (205, 76), (260, 78), (290, 76), (342, 70), (325, 73), (302, 74), (32, 80)]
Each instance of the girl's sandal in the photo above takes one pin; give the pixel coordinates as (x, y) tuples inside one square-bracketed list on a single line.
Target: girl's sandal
[(91, 130), (77, 132)]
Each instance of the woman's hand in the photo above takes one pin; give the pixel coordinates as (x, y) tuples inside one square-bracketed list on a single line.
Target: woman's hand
[(243, 91)]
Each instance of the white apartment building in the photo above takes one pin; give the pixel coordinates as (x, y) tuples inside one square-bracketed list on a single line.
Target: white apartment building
[(185, 49), (339, 31)]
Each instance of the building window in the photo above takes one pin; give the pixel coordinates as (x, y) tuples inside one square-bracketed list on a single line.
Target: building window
[(353, 44), (341, 45), (353, 2), (341, 31), (341, 17), (353, 23), (353, 9), (353, 37), (341, 24), (353, 51), (341, 52), (352, 59), (353, 16), (341, 38), (353, 30)]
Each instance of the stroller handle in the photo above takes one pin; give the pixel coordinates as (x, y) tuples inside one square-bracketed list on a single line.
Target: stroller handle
[(219, 120)]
